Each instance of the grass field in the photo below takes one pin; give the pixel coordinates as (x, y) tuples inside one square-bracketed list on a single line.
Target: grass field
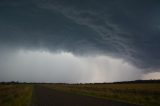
[(147, 94), (15, 94)]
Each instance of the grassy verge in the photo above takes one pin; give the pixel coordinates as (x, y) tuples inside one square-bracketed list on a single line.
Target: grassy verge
[(15, 95), (143, 94)]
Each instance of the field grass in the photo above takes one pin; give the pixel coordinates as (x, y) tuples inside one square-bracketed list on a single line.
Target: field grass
[(147, 94), (15, 94)]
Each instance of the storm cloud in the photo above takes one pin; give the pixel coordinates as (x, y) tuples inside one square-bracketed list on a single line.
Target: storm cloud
[(121, 29)]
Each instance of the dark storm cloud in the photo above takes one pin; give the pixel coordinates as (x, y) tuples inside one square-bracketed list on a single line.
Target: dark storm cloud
[(125, 29)]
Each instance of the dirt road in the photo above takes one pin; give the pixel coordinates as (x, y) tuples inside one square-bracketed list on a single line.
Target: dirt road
[(43, 96)]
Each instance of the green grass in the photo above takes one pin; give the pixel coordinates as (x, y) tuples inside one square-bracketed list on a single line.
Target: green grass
[(15, 95), (147, 94)]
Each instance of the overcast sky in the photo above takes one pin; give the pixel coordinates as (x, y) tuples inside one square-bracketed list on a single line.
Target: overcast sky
[(79, 40)]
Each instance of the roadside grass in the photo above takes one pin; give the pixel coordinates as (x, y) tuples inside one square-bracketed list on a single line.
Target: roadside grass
[(147, 94), (15, 94)]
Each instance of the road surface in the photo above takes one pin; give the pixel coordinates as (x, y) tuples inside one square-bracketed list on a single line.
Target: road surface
[(43, 96)]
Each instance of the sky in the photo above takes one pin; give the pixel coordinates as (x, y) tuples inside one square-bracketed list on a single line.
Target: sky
[(79, 41)]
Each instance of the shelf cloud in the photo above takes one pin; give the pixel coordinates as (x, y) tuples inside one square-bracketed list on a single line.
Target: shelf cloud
[(122, 30)]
